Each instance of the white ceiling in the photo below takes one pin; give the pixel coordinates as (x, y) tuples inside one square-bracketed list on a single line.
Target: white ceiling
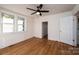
[(53, 8)]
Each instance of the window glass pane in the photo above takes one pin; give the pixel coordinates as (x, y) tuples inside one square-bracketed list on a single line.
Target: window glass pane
[(20, 28), (20, 24), (8, 18), (20, 21), (7, 28)]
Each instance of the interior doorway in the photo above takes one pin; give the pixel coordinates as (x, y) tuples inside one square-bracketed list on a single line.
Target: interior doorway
[(45, 30)]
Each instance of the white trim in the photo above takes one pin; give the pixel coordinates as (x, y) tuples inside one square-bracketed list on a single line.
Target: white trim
[(0, 23)]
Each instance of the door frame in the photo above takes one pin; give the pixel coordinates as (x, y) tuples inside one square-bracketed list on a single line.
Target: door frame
[(75, 22), (75, 30)]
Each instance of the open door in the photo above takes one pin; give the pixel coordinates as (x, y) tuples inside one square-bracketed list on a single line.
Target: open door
[(45, 30)]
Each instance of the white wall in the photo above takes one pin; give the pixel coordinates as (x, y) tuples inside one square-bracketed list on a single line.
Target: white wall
[(7, 39), (53, 26)]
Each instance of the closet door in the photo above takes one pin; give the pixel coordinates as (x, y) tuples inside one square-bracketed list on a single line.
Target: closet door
[(66, 30)]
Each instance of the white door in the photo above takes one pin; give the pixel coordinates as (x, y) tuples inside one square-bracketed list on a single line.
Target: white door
[(66, 30)]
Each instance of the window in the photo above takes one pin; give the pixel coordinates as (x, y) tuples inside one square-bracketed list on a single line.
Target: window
[(20, 24), (7, 22), (11, 22)]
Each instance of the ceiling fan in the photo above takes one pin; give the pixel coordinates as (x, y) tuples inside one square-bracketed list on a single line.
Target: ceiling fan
[(38, 11)]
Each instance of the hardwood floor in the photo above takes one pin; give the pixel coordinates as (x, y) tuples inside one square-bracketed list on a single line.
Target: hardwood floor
[(36, 46)]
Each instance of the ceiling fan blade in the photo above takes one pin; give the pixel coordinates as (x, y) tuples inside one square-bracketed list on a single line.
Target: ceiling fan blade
[(34, 13), (31, 9), (40, 6), (44, 10)]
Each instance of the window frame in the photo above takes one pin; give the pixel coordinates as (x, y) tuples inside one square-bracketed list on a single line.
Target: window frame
[(7, 23), (15, 20), (21, 24), (0, 23)]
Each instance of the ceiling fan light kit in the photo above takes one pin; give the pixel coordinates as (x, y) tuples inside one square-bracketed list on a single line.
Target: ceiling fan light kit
[(38, 11)]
